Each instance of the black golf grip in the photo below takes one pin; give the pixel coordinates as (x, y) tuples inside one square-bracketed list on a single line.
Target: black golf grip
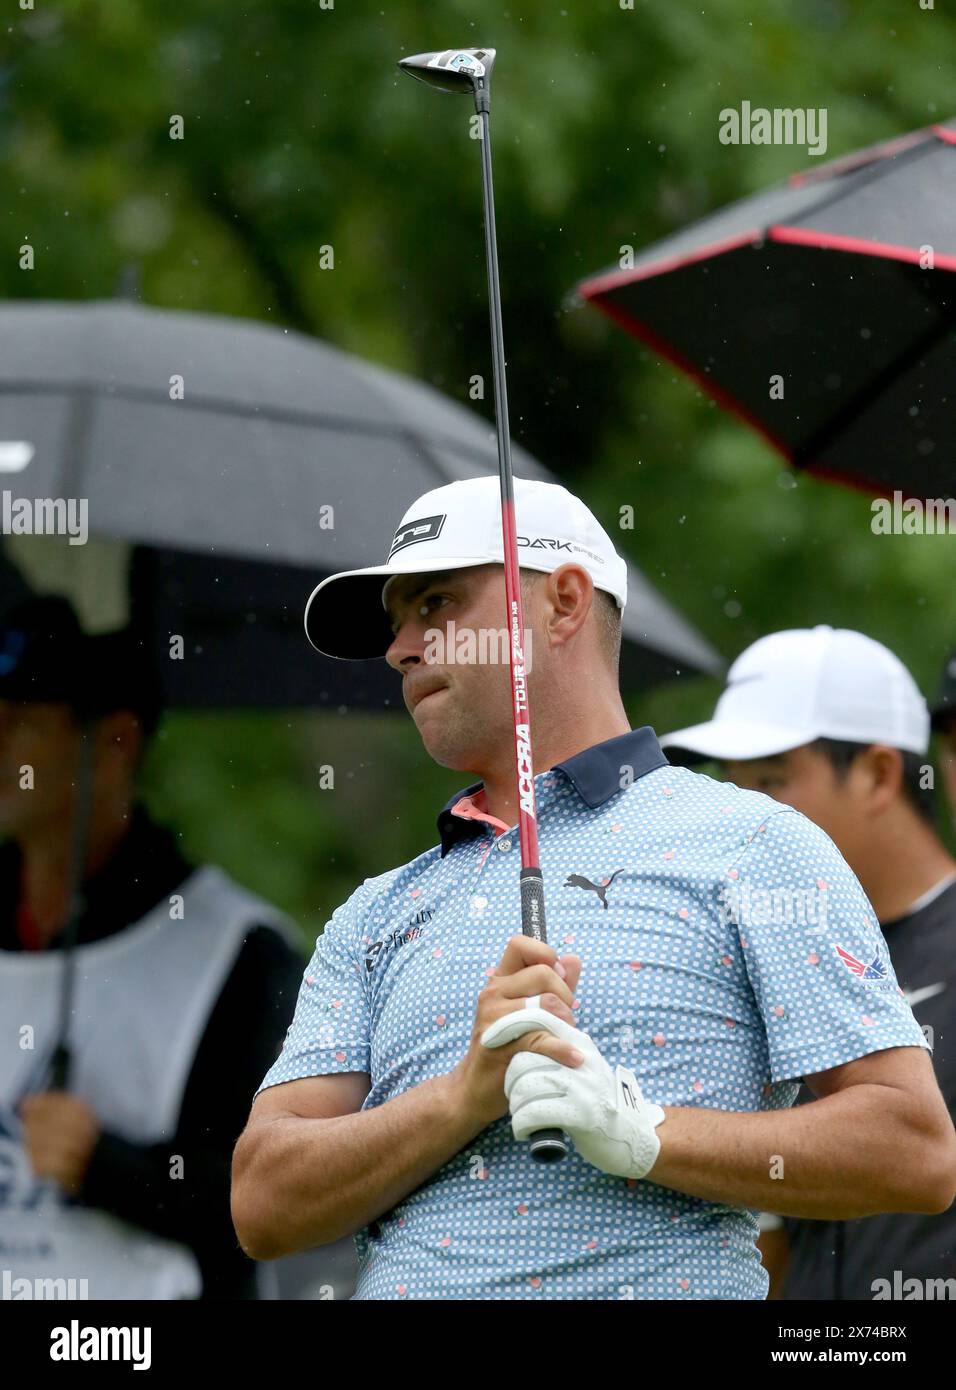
[(547, 1145)]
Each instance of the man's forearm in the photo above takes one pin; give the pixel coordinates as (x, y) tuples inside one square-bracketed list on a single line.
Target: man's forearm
[(836, 1158), (304, 1182)]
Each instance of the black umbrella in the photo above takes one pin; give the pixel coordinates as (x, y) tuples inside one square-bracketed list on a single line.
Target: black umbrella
[(236, 464), (837, 284)]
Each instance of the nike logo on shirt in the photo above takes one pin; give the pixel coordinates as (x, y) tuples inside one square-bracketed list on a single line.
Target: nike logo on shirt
[(916, 996)]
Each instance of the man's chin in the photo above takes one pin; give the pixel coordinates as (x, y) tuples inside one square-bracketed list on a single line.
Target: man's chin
[(446, 745), (446, 753)]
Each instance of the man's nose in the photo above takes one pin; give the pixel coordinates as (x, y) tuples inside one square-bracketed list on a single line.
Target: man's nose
[(408, 646)]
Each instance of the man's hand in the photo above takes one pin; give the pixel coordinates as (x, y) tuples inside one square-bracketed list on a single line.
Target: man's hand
[(527, 968), (60, 1133), (601, 1109)]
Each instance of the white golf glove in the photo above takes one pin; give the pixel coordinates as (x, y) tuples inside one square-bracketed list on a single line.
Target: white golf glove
[(601, 1109)]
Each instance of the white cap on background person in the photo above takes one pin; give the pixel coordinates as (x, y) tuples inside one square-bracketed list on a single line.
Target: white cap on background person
[(791, 688), (456, 527)]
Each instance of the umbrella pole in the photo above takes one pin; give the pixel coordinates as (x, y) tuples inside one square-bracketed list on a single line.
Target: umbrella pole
[(62, 1055)]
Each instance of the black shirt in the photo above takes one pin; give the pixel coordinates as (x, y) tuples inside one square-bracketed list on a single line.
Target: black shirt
[(242, 1039), (842, 1259)]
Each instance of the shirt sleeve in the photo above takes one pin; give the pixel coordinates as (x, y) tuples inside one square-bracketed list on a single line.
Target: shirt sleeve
[(817, 962), (330, 1031)]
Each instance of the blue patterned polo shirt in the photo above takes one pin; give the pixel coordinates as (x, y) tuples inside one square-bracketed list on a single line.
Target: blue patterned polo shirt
[(727, 951)]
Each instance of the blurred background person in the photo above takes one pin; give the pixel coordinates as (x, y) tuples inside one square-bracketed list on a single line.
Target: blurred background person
[(831, 723), (944, 722), (184, 987)]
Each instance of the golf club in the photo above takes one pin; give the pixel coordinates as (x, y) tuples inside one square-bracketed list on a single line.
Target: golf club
[(464, 71)]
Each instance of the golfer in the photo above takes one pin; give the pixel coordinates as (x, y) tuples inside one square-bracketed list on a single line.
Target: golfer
[(663, 1035)]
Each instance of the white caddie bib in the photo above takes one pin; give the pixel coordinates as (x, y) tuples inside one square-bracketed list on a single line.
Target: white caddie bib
[(143, 997)]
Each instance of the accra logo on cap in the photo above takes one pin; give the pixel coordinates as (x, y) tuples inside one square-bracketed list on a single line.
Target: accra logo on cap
[(428, 528)]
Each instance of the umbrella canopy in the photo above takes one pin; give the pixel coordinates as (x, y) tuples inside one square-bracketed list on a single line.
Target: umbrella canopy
[(839, 283), (236, 464)]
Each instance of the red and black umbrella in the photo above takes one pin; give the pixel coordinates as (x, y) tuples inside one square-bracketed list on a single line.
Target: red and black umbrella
[(822, 312)]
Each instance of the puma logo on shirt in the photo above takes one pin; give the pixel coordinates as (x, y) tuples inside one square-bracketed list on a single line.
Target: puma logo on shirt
[(579, 881)]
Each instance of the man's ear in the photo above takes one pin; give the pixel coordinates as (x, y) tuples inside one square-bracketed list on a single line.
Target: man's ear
[(882, 767), (570, 591)]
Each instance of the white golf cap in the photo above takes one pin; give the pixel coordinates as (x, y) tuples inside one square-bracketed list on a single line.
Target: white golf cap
[(455, 527), (793, 687)]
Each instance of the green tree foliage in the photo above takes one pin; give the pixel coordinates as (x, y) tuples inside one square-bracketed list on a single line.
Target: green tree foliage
[(298, 134)]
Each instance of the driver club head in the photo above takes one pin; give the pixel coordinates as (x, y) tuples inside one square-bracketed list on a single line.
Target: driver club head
[(454, 70)]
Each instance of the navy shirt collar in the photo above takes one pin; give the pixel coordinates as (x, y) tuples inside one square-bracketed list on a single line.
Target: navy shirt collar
[(595, 774)]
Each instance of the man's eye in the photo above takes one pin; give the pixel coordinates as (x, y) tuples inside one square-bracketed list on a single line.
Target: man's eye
[(433, 600), (423, 605)]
